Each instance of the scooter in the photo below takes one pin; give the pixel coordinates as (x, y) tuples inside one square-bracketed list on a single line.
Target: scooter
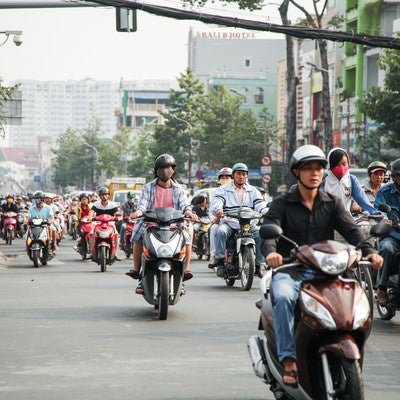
[(240, 258), (163, 258), (85, 228), (103, 241), (202, 247), (129, 225), (10, 227), (332, 323), (38, 246), (21, 223)]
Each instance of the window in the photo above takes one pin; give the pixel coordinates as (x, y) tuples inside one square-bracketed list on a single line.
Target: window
[(247, 62), (259, 96)]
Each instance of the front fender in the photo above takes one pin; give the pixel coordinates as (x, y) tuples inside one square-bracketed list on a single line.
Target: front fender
[(164, 266), (244, 241), (344, 346)]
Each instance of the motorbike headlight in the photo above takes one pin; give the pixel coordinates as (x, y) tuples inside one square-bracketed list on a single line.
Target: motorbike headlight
[(332, 264), (362, 312), (37, 221), (246, 228), (104, 234), (320, 312), (165, 252)]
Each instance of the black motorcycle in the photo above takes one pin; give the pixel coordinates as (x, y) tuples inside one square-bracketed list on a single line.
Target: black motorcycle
[(202, 243), (38, 246)]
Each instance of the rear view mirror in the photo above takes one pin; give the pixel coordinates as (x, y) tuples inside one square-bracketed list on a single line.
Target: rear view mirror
[(270, 231)]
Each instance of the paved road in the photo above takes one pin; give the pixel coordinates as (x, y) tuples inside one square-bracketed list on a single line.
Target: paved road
[(71, 332)]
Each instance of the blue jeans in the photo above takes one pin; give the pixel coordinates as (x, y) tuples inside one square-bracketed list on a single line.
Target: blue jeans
[(388, 246), (122, 235), (285, 293), (225, 231)]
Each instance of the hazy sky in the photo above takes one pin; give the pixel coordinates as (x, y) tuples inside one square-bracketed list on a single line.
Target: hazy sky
[(76, 43)]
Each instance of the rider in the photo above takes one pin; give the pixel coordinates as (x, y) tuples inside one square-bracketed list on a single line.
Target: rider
[(235, 194), (82, 210), (306, 215), (376, 172), (389, 194), (127, 209), (162, 191), (339, 182), (54, 224), (200, 208), (9, 205), (224, 177)]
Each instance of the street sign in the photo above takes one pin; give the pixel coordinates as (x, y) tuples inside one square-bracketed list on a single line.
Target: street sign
[(266, 169), (267, 178), (266, 160)]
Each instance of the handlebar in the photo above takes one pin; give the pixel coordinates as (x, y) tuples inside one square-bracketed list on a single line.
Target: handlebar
[(365, 216)]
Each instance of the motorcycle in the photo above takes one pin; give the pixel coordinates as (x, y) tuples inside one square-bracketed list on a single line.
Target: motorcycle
[(202, 247), (103, 241), (163, 258), (10, 226), (240, 258), (38, 246), (130, 224), (21, 223), (85, 228), (332, 324)]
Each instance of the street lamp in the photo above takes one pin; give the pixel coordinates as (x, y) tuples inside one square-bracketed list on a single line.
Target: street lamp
[(17, 39), (190, 130), (96, 152)]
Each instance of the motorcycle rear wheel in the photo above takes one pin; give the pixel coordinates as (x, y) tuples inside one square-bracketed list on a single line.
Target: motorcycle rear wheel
[(163, 295), (83, 249), (248, 265), (10, 237)]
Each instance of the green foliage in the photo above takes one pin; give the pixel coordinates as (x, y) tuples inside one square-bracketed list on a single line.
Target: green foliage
[(6, 93), (382, 104)]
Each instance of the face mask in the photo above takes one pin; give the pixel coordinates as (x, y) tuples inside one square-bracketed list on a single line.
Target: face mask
[(165, 174), (340, 171), (37, 201)]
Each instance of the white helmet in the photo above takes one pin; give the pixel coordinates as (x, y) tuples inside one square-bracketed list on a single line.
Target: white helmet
[(305, 154)]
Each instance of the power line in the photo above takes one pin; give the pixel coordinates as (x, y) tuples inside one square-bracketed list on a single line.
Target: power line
[(296, 30)]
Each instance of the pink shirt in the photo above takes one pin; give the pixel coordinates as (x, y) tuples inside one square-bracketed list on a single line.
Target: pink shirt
[(163, 197)]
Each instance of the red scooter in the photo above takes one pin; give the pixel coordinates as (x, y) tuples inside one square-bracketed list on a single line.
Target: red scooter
[(85, 228), (332, 323), (10, 227), (129, 225), (104, 241)]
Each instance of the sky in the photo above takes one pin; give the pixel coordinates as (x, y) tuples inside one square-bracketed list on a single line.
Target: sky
[(79, 43)]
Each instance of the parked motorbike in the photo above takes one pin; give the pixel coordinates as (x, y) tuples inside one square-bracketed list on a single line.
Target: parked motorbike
[(85, 228), (332, 324), (10, 227), (202, 244), (130, 224), (38, 245), (240, 258), (103, 241), (163, 258)]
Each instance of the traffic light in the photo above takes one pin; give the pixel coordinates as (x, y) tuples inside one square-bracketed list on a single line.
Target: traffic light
[(126, 20)]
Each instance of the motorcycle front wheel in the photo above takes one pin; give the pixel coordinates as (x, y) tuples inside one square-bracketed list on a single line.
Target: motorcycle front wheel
[(36, 258), (10, 237), (247, 267), (102, 257), (163, 295)]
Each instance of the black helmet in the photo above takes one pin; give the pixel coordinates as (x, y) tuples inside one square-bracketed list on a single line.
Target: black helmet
[(82, 195), (38, 195), (103, 190), (10, 196), (395, 167), (305, 154), (376, 166), (164, 160)]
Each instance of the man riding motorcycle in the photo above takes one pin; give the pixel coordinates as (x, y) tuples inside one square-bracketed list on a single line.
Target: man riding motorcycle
[(307, 215), (389, 194), (376, 173), (127, 209), (235, 194), (9, 205)]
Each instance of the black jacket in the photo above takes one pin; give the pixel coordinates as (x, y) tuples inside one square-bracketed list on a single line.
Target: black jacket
[(306, 226)]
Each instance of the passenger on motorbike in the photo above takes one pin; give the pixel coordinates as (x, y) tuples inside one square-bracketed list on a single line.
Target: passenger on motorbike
[(388, 246), (9, 205), (376, 173), (54, 224), (82, 210), (306, 215), (235, 194), (339, 182), (224, 177), (200, 208), (163, 191), (127, 209)]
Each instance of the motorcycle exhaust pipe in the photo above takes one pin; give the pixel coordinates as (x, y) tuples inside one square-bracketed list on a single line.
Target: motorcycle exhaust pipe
[(256, 350)]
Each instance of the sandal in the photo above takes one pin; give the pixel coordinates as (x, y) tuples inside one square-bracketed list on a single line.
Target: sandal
[(133, 274), (187, 275), (290, 374)]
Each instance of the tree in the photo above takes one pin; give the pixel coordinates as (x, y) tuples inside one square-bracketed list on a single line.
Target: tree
[(6, 93), (381, 105), (242, 4)]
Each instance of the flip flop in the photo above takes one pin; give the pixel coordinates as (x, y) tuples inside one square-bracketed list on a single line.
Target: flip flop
[(187, 275), (292, 374), (133, 274)]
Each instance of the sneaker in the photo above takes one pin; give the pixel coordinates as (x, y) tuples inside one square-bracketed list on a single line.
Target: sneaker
[(76, 248), (139, 288)]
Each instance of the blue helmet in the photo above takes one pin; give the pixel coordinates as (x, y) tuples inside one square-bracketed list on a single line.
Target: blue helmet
[(239, 167)]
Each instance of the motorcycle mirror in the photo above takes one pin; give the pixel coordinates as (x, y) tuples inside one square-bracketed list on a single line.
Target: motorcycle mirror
[(270, 231), (384, 208), (381, 229)]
